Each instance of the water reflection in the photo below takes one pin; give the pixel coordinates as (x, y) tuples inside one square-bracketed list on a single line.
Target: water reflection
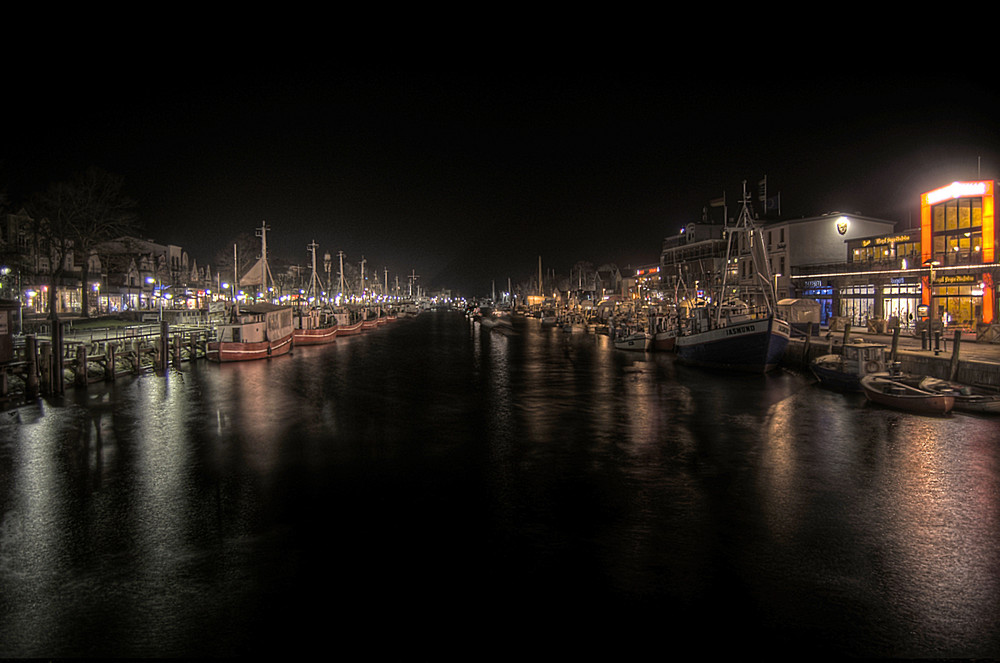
[(204, 512)]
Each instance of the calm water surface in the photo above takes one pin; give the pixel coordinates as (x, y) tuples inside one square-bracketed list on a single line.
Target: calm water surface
[(435, 488)]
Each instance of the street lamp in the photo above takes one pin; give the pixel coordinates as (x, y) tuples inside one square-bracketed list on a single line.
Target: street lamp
[(158, 290)]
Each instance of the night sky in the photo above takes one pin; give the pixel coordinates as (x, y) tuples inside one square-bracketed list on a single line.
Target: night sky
[(465, 178)]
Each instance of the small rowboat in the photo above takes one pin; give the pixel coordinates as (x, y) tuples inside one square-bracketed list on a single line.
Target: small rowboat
[(967, 399), (885, 390)]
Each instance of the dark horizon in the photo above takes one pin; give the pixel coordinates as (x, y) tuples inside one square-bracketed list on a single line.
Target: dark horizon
[(466, 181)]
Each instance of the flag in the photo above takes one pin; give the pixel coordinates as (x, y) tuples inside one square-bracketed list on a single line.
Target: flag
[(773, 204), (718, 202)]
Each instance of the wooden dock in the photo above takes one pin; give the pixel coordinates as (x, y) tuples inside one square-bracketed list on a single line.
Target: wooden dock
[(46, 365)]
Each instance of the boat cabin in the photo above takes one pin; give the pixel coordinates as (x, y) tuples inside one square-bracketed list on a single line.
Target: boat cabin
[(257, 323), (862, 358)]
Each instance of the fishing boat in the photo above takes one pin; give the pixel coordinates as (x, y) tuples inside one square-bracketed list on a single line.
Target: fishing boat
[(732, 334), (664, 330), (258, 331), (314, 327), (637, 340), (346, 325), (573, 323), (887, 390), (967, 398), (843, 372)]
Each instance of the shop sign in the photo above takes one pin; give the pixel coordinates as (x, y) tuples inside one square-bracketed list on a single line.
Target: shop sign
[(955, 279), (895, 239)]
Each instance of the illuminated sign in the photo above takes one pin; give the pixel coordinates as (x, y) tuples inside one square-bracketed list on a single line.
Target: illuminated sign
[(956, 190), (842, 224), (955, 278), (895, 239)]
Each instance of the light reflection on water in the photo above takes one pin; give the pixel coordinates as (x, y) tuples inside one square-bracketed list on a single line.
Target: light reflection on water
[(511, 479)]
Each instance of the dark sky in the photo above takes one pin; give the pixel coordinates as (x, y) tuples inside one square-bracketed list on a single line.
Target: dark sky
[(467, 177)]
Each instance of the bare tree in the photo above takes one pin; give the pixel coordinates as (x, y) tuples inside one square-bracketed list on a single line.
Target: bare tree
[(73, 218), (247, 254)]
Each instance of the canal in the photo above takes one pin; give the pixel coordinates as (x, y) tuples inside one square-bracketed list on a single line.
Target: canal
[(432, 488)]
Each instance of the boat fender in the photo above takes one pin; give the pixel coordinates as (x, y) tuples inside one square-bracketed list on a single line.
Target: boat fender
[(872, 366)]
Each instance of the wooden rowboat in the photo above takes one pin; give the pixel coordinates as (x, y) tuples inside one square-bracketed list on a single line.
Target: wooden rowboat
[(885, 390)]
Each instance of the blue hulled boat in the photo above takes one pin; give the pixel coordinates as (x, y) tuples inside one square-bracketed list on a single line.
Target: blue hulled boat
[(752, 345)]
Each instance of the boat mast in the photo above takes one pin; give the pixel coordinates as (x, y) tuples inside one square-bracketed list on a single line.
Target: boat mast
[(730, 234), (340, 254), (236, 285), (314, 282), (265, 270)]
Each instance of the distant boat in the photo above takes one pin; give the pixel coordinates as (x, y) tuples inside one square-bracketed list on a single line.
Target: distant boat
[(843, 372), (639, 340), (733, 335), (573, 323), (665, 329), (261, 331), (885, 390)]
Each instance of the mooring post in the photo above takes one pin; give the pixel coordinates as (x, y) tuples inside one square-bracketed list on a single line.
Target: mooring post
[(164, 353), (805, 345), (31, 359), (81, 365), (895, 346), (109, 368), (58, 361), (953, 372)]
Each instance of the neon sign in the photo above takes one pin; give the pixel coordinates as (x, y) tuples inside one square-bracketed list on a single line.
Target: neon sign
[(956, 190)]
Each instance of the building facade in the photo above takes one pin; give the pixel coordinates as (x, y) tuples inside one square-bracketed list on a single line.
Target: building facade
[(941, 275)]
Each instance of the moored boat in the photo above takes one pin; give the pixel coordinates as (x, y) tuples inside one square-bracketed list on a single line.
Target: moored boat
[(639, 340), (843, 372), (753, 345), (967, 398), (314, 327), (260, 331), (734, 335), (883, 389)]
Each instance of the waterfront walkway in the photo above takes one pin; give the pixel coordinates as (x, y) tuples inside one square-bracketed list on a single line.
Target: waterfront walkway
[(969, 349)]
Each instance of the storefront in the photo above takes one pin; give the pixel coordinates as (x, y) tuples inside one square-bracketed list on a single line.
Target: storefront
[(822, 292), (958, 240), (900, 300)]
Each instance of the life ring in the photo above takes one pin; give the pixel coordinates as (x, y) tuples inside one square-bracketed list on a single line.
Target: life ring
[(871, 366)]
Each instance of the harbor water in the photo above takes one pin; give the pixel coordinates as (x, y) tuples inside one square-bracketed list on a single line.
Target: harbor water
[(434, 488)]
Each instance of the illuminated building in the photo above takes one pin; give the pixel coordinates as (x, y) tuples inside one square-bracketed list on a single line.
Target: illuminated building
[(958, 235), (940, 275)]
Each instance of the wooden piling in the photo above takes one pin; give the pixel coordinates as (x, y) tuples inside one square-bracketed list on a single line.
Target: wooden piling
[(58, 385), (953, 368), (31, 366), (81, 366), (164, 346), (895, 345), (805, 348), (111, 366)]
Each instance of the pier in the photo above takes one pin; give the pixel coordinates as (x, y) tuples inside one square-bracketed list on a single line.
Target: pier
[(46, 364)]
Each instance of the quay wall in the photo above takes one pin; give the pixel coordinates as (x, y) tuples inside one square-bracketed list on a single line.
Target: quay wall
[(966, 371)]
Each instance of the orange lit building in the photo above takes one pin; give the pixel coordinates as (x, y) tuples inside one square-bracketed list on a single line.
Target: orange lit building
[(958, 238)]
